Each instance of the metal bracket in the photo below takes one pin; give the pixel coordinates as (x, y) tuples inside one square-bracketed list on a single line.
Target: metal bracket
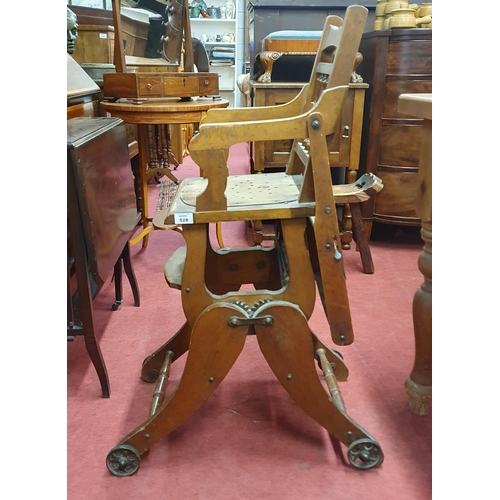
[(266, 320)]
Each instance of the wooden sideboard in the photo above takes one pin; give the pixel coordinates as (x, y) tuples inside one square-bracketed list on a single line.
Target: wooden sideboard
[(394, 62), (344, 147)]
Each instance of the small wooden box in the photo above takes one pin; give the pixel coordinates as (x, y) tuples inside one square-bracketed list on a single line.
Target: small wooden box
[(151, 85)]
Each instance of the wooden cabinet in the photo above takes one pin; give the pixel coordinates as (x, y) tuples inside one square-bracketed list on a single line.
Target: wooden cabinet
[(344, 146), (95, 44), (394, 62)]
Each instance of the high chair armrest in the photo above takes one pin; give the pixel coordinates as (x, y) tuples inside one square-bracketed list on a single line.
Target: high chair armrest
[(216, 136), (291, 108)]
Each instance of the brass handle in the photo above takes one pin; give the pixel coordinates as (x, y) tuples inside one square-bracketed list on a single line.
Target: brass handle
[(345, 134)]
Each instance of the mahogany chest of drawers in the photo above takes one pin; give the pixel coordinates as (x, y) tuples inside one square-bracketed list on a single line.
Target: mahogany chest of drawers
[(394, 62)]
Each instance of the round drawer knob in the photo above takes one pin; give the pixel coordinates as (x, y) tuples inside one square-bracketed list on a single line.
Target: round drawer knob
[(149, 86)]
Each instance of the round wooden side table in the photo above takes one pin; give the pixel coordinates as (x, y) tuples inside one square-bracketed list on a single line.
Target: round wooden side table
[(163, 111)]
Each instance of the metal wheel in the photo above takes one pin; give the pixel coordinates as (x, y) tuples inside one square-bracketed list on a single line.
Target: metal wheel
[(365, 454), (123, 460)]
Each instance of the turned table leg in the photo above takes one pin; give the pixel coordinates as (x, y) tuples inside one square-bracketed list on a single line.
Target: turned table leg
[(142, 186), (419, 384)]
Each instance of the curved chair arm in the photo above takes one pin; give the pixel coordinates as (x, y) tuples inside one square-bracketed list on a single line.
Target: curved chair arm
[(208, 149), (215, 136), (291, 108)]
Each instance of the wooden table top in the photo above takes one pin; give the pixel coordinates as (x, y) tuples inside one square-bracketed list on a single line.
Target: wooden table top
[(417, 105), (161, 111)]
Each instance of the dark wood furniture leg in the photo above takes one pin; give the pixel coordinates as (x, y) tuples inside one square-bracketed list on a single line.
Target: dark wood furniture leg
[(117, 278), (84, 294), (361, 239), (129, 271)]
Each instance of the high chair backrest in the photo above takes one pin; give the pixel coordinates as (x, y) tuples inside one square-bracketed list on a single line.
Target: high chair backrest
[(331, 74), (333, 64)]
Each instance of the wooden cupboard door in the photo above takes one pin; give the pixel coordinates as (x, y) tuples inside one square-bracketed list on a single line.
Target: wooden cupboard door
[(340, 143)]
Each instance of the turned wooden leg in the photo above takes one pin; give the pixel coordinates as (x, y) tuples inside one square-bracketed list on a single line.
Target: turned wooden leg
[(142, 185), (419, 383), (361, 239)]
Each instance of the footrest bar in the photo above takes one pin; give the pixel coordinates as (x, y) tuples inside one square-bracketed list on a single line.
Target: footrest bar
[(331, 380), (161, 384)]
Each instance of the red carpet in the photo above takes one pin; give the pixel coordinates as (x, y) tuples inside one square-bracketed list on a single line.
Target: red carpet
[(250, 441)]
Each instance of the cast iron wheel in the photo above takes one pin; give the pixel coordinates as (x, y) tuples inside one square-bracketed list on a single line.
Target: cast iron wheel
[(123, 460), (365, 454)]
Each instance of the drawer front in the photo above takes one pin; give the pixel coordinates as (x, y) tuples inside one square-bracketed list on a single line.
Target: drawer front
[(400, 145), (278, 97), (150, 86), (394, 88), (397, 199), (412, 57), (181, 86), (208, 84)]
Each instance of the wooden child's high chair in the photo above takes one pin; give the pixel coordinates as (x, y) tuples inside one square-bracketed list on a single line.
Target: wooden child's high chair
[(306, 253)]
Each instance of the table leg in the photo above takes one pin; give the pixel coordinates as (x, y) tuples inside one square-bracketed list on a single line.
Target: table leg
[(142, 186), (419, 383)]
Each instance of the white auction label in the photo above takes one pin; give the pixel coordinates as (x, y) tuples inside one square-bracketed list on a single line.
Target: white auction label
[(183, 218)]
